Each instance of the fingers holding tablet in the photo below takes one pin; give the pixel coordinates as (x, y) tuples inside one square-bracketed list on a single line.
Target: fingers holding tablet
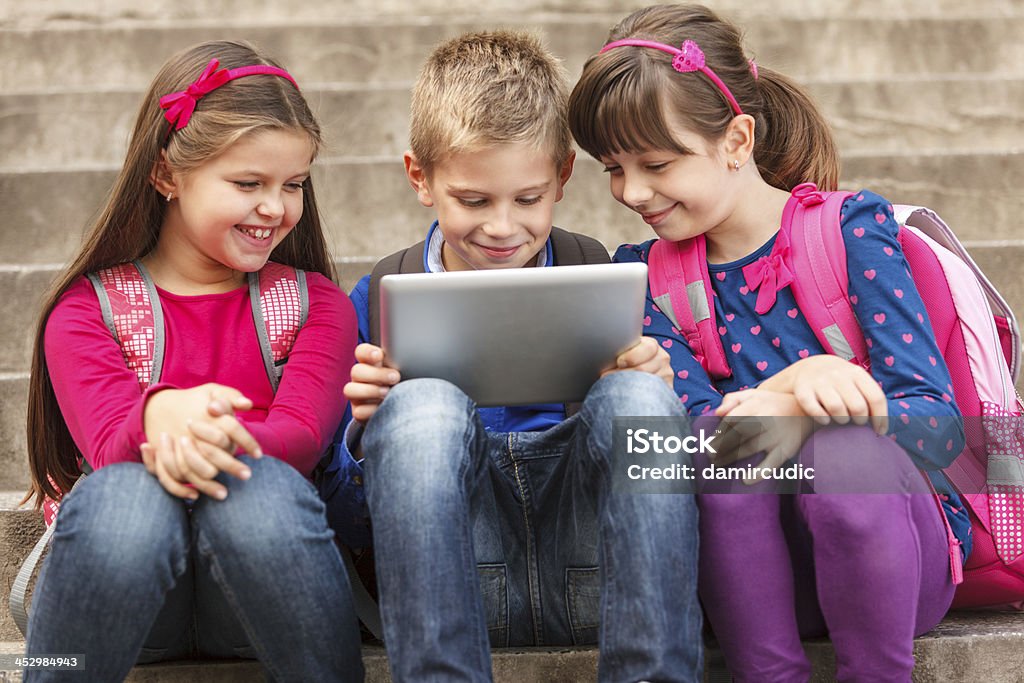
[(371, 380)]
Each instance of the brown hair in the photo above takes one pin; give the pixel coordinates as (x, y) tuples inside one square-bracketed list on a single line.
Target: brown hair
[(626, 97), (490, 88), (129, 222)]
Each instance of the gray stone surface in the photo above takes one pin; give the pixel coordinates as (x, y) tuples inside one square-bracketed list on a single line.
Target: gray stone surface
[(965, 647), (370, 120), (370, 210), (387, 50), (13, 453), (71, 13)]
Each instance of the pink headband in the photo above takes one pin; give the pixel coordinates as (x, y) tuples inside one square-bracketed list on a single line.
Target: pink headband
[(180, 105), (689, 58)]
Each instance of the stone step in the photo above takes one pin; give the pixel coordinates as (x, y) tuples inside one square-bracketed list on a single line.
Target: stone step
[(999, 260), (46, 209), (509, 666), (389, 49), (982, 114), (76, 14), (966, 646)]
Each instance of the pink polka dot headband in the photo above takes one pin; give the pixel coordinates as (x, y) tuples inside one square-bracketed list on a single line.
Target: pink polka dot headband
[(181, 105), (685, 60)]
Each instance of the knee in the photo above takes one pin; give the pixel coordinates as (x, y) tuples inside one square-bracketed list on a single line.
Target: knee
[(420, 434), (854, 459), (119, 517), (274, 506), (856, 519), (631, 393)]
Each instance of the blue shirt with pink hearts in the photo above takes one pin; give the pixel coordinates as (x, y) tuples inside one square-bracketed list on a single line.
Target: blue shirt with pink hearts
[(904, 357)]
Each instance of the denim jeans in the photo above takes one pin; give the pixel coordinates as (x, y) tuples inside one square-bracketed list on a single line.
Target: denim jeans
[(137, 575), (507, 539)]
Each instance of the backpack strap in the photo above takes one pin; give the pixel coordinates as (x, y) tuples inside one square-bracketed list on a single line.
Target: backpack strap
[(818, 261), (573, 249), (681, 287), (405, 261), (19, 588), (279, 297), (131, 311)]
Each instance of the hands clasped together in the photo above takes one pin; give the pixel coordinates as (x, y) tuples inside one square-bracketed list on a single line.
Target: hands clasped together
[(193, 436)]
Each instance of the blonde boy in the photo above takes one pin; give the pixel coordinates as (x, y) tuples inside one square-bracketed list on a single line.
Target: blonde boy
[(490, 524)]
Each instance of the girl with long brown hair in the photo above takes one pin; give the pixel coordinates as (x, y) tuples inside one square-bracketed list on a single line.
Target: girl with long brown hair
[(186, 540)]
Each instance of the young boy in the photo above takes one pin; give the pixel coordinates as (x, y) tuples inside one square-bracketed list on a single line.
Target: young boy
[(499, 526)]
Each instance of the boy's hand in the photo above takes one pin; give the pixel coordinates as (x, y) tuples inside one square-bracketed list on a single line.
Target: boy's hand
[(646, 356), (829, 388), (370, 382)]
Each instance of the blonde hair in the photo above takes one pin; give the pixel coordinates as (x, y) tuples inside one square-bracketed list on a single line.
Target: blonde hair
[(626, 98), (129, 223), (485, 89)]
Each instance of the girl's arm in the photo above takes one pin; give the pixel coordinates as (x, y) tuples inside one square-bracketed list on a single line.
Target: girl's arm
[(308, 405), (98, 395), (905, 359), (691, 382)]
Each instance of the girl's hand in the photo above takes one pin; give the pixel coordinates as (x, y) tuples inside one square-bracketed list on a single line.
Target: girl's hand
[(161, 461), (646, 356), (371, 381), (742, 435), (829, 388), (198, 414), (177, 462)]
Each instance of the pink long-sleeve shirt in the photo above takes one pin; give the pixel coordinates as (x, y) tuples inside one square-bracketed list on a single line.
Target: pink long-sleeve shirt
[(209, 338)]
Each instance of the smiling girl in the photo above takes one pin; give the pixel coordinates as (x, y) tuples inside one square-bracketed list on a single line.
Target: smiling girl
[(150, 373)]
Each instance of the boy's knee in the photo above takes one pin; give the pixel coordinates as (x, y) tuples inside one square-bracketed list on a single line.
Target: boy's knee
[(632, 393), (628, 394), (423, 425)]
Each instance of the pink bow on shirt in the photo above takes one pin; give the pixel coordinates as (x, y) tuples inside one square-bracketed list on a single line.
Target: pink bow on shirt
[(768, 274)]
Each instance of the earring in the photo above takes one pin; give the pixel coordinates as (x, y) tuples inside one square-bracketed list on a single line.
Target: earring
[(169, 195), (736, 164)]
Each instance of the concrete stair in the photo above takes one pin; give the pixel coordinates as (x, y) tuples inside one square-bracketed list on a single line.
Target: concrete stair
[(925, 97)]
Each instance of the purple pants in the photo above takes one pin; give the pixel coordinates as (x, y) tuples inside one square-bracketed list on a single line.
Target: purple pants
[(870, 570)]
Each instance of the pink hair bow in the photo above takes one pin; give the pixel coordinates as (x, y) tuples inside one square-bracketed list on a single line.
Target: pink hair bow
[(768, 274), (180, 105)]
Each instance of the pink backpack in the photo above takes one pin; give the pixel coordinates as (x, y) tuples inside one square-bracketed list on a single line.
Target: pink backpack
[(975, 330), (131, 311)]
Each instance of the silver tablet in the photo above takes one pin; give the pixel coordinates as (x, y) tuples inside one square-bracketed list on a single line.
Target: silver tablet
[(512, 337)]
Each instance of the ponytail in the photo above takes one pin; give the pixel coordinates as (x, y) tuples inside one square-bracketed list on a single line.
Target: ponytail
[(793, 142), (627, 99)]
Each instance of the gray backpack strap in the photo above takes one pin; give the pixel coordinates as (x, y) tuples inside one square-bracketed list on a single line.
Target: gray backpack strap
[(366, 607), (279, 296), (406, 261), (19, 588), (573, 249), (133, 316)]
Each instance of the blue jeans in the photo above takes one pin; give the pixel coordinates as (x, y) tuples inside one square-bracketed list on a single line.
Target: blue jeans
[(487, 539), (137, 575)]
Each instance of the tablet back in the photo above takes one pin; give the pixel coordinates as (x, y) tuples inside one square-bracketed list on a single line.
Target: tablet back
[(517, 336)]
